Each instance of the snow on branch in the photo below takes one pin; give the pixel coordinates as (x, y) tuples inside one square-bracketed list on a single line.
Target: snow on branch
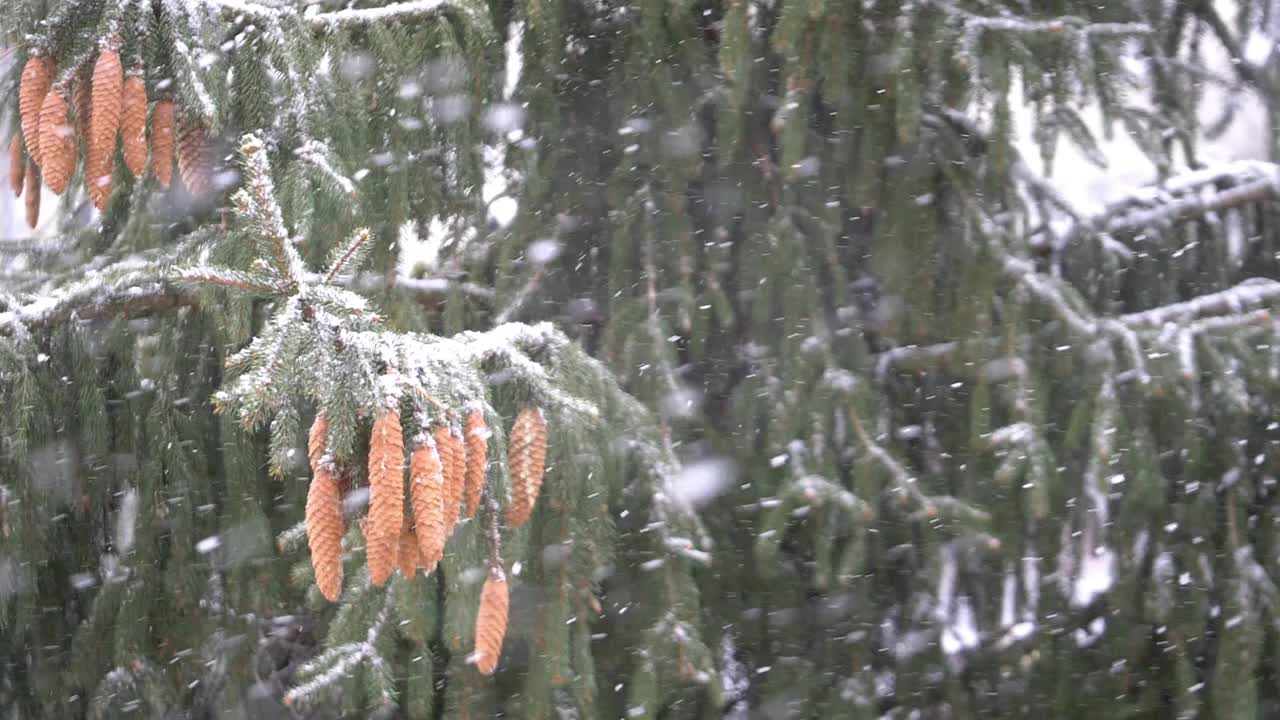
[(319, 155), (256, 203), (391, 11), (1008, 22), (1191, 195), (339, 18), (1249, 295), (139, 293), (131, 294)]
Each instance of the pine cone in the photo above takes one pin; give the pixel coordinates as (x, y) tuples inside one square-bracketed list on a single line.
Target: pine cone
[(162, 141), (17, 168), (317, 440), (57, 142), (32, 190), (453, 458), (491, 621), (82, 101), (386, 496), (324, 532), (133, 125), (426, 485), (37, 76), (407, 559), (104, 125), (193, 157), (526, 458), (477, 436)]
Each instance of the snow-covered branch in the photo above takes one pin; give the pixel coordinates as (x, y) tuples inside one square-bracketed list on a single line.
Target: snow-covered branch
[(149, 292), (391, 11), (132, 295), (337, 18), (1192, 205), (1247, 296), (1010, 23)]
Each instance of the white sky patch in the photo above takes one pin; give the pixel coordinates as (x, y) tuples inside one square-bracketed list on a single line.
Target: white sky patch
[(506, 121), (1090, 188)]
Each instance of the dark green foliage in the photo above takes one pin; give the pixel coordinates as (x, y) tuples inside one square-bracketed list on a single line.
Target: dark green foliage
[(852, 414)]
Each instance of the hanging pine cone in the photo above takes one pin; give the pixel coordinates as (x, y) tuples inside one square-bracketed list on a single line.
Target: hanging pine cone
[(17, 168), (193, 157), (162, 141), (104, 125), (426, 486), (491, 620), (37, 76), (324, 532), (82, 101), (57, 142), (526, 458), (477, 436), (453, 458), (133, 124), (317, 440), (386, 496), (32, 189), (407, 560)]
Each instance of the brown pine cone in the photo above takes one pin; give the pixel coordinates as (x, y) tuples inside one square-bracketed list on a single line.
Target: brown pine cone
[(477, 440), (324, 532), (426, 487), (317, 440), (526, 459), (104, 125), (57, 142), (162, 141), (491, 620), (407, 560), (32, 191), (17, 167), (386, 496), (453, 458), (133, 125), (37, 76), (193, 157), (82, 102)]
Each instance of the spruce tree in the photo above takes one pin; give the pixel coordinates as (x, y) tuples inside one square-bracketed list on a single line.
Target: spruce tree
[(750, 370)]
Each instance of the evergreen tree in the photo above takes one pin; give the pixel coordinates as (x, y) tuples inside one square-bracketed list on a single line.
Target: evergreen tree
[(789, 390)]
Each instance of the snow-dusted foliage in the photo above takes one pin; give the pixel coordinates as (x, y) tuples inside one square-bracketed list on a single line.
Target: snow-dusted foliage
[(860, 400)]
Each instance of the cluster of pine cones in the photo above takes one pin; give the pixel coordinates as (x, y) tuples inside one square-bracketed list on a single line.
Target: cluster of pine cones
[(446, 480), (93, 110)]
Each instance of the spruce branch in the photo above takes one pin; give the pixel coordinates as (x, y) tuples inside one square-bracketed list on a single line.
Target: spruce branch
[(131, 295), (905, 482), (348, 256), (1193, 206), (341, 19), (319, 155), (1008, 22), (256, 203), (390, 11), (1246, 297)]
